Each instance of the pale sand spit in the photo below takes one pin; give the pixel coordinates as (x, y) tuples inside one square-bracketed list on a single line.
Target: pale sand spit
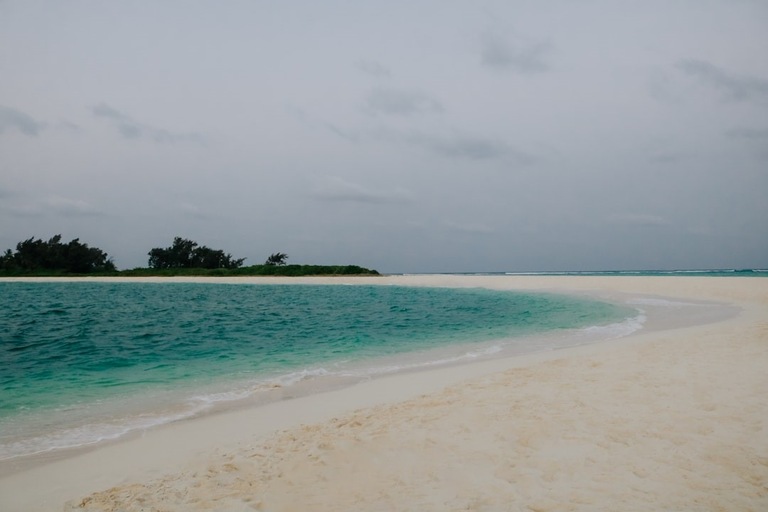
[(672, 418)]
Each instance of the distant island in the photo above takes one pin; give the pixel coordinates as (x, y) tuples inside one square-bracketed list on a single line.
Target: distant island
[(184, 257)]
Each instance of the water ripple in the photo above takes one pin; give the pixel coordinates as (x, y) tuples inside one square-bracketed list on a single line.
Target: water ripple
[(70, 346)]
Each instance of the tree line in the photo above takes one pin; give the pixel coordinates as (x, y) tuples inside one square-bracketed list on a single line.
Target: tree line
[(184, 256), (73, 258), (185, 253)]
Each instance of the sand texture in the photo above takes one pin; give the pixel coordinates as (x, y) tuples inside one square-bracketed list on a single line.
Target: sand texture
[(667, 419)]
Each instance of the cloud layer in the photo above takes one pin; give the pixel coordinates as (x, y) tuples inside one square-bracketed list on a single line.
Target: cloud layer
[(132, 129), (730, 85), (13, 119), (420, 137)]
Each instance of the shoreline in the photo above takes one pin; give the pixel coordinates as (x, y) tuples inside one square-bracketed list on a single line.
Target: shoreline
[(174, 448), (186, 402), (43, 436)]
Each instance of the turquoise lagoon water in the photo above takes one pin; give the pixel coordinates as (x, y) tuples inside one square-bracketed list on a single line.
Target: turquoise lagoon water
[(87, 362)]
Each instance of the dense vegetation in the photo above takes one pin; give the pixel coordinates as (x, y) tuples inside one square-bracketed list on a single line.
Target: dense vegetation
[(183, 258), (36, 256), (255, 270), (188, 254), (277, 258)]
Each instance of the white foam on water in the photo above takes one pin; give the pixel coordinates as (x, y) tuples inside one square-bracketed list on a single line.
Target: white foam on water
[(615, 330), (88, 434), (298, 376), (659, 302), (409, 364), (224, 396)]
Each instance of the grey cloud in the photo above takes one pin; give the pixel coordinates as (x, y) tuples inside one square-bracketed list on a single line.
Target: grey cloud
[(344, 134), (191, 210), (732, 87), (661, 87), (373, 68), (457, 145), (469, 147), (314, 123), (401, 102), (754, 138), (104, 110), (16, 204), (335, 189), (164, 136), (68, 207), (520, 56), (20, 210), (132, 129), (480, 229), (13, 118), (665, 158), (637, 219), (23, 206), (748, 133), (454, 145), (67, 126)]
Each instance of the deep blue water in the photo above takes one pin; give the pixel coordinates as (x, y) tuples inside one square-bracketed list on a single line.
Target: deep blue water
[(81, 362)]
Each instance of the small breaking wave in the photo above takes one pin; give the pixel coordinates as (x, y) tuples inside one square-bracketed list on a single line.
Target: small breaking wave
[(89, 434), (616, 330)]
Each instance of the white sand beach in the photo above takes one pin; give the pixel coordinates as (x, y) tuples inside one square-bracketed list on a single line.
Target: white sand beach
[(673, 417)]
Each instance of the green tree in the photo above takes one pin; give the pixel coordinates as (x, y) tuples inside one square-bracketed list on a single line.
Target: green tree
[(39, 256), (278, 258), (185, 253), (8, 262)]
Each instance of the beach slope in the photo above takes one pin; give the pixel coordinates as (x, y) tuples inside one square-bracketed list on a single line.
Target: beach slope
[(674, 417)]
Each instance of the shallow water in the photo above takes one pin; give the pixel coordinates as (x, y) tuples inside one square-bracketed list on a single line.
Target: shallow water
[(86, 362)]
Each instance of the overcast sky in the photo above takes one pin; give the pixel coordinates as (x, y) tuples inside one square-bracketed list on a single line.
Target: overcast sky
[(406, 136)]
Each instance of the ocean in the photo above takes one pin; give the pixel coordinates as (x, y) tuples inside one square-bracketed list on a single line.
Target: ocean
[(87, 362), (746, 272)]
